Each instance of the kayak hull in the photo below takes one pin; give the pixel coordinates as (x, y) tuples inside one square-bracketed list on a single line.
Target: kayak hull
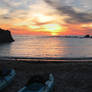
[(48, 87), (4, 81)]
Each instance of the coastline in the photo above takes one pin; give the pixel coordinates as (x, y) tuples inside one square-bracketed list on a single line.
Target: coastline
[(69, 77), (47, 59)]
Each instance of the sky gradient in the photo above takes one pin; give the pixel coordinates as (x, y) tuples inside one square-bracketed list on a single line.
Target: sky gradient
[(47, 17)]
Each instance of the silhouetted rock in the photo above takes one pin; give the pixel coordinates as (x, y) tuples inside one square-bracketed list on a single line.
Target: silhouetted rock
[(5, 36), (87, 36)]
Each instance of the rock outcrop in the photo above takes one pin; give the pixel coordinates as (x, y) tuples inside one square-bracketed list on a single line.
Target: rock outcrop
[(5, 36), (87, 36)]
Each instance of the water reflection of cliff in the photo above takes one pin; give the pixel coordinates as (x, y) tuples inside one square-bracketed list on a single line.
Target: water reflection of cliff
[(5, 49)]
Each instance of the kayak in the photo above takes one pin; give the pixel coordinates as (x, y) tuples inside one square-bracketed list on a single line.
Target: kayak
[(6, 77), (39, 84)]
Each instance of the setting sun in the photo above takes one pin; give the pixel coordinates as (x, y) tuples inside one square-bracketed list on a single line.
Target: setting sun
[(53, 28), (54, 34)]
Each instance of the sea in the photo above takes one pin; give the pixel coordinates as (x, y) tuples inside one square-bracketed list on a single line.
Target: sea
[(47, 47)]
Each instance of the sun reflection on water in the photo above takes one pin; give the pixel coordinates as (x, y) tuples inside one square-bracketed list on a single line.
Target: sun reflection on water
[(41, 47)]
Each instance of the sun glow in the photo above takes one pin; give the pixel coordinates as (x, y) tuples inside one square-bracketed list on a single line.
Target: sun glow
[(43, 18), (43, 23), (54, 29), (87, 25), (54, 34), (46, 23)]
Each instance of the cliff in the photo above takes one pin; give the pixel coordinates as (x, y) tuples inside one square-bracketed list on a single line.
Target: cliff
[(5, 36)]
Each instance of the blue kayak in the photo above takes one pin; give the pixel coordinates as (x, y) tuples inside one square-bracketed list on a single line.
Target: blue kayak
[(37, 84), (6, 77)]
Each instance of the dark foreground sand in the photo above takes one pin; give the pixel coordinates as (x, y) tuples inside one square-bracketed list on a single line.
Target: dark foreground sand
[(69, 77)]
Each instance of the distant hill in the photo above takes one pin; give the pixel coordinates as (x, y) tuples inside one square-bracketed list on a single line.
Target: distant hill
[(5, 36)]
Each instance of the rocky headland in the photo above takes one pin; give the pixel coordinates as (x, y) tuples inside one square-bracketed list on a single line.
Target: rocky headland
[(5, 36)]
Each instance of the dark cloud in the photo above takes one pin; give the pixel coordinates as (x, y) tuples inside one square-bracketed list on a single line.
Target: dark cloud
[(41, 23), (5, 17), (73, 15)]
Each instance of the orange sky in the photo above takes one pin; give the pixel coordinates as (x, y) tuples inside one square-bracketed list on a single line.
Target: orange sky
[(41, 18), (50, 29)]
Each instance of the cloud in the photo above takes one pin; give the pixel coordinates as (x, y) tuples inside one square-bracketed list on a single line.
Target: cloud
[(3, 11), (25, 10), (82, 4), (5, 17), (73, 16)]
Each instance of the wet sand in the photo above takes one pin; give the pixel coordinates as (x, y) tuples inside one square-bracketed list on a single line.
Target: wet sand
[(69, 77)]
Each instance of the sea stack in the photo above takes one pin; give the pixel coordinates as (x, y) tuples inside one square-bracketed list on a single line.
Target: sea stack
[(5, 36)]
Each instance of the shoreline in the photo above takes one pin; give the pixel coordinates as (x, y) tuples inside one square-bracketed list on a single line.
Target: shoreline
[(69, 77), (47, 59)]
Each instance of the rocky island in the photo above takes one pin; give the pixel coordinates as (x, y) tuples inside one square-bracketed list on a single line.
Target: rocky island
[(5, 36), (87, 36)]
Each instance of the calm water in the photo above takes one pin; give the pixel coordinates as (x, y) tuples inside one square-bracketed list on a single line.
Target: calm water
[(54, 47)]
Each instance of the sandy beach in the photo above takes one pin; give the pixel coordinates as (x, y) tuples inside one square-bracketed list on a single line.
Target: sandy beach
[(69, 77)]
